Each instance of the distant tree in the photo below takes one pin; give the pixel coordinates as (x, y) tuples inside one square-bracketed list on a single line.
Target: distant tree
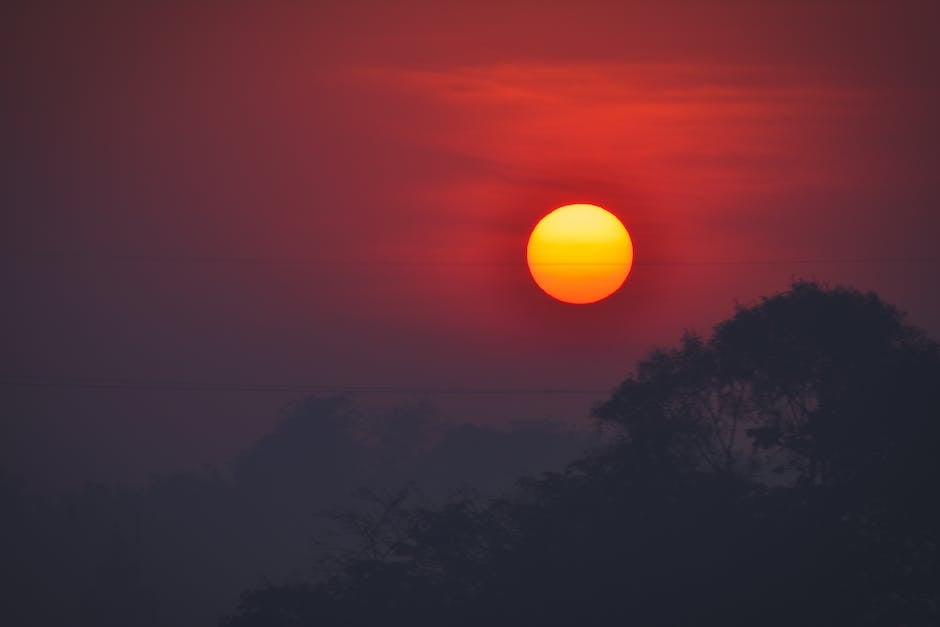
[(781, 472)]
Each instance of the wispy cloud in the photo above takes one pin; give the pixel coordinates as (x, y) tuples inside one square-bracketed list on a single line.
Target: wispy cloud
[(673, 127)]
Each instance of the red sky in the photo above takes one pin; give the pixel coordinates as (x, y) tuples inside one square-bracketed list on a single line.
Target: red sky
[(339, 194)]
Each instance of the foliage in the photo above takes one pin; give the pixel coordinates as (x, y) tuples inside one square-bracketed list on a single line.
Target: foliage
[(178, 550), (781, 472)]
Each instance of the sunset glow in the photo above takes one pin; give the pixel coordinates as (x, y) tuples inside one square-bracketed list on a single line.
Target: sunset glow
[(580, 253)]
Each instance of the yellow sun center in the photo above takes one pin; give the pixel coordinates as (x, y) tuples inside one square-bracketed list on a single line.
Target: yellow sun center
[(579, 253)]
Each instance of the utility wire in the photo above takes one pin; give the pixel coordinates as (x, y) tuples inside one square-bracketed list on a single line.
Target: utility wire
[(333, 261), (203, 386), (197, 386)]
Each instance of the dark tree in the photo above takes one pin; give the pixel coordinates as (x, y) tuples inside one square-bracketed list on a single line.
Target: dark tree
[(781, 472), (818, 385)]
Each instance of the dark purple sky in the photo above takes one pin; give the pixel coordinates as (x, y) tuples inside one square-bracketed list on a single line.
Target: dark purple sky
[(339, 195)]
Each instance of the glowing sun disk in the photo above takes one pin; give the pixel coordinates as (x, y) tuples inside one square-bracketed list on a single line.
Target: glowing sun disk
[(579, 253)]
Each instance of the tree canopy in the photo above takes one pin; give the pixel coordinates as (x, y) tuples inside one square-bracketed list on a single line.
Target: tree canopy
[(781, 471)]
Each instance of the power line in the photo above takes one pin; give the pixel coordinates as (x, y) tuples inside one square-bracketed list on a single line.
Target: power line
[(757, 262), (204, 386), (334, 261)]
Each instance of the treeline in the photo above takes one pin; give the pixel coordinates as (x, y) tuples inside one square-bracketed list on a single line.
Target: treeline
[(783, 471), (179, 550)]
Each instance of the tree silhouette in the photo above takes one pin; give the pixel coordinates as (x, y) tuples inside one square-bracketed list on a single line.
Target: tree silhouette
[(179, 549), (779, 472), (819, 384)]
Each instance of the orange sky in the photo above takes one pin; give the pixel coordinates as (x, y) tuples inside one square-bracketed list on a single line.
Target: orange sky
[(341, 194)]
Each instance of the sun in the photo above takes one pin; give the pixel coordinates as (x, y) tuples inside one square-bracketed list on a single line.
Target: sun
[(579, 253)]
